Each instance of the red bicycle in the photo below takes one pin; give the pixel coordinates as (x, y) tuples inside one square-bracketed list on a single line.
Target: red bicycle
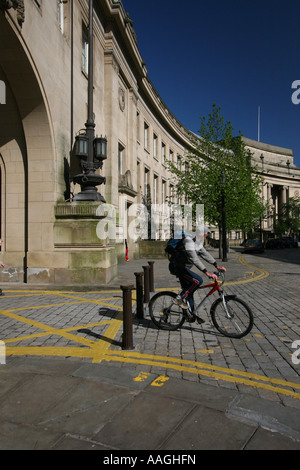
[(230, 315)]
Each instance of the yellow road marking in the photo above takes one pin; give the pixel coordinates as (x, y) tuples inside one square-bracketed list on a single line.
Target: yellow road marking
[(205, 351), (254, 380), (98, 351), (159, 381), (49, 329), (35, 307), (141, 377), (46, 333)]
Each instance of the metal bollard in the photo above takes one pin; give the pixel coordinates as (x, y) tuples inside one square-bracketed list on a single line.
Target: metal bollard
[(146, 284), (151, 276), (127, 342), (139, 295)]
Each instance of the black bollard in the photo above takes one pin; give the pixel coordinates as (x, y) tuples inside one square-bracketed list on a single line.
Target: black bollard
[(151, 276), (146, 284), (139, 295), (127, 317)]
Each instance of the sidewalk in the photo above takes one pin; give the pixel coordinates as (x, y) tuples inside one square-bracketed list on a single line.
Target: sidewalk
[(188, 390)]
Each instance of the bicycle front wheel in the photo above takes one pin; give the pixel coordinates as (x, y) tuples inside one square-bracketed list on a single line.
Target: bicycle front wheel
[(232, 317), (164, 313)]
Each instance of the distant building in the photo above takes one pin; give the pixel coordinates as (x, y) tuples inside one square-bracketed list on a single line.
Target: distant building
[(281, 178), (47, 237)]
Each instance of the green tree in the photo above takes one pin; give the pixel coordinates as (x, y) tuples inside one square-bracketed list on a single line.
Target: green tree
[(216, 165), (288, 221)]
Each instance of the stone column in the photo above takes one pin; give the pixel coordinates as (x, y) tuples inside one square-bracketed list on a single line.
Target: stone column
[(270, 202)]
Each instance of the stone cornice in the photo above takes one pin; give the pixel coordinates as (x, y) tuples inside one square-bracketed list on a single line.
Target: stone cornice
[(267, 147)]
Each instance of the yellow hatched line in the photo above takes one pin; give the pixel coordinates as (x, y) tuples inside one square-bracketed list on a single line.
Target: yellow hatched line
[(34, 307), (50, 330), (46, 333), (98, 348)]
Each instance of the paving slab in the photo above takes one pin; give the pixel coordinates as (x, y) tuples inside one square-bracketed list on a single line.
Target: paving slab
[(145, 423), (272, 416), (206, 428)]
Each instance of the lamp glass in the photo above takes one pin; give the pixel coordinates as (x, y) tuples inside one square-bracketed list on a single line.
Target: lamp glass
[(100, 148), (81, 146)]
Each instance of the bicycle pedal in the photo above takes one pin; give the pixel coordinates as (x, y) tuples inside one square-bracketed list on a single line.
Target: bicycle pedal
[(200, 321), (189, 316)]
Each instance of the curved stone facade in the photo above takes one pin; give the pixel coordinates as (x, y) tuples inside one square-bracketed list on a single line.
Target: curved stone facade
[(46, 236)]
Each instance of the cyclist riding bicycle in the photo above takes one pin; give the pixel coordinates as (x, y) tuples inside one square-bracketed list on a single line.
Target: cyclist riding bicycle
[(192, 250)]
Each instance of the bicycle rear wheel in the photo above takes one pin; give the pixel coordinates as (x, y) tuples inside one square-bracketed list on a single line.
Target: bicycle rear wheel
[(164, 313), (234, 321)]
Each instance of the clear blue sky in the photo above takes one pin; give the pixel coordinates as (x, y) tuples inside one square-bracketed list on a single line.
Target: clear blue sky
[(239, 54)]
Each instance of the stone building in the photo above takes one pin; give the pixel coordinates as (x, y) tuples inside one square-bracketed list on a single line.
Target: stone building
[(50, 235), (281, 178)]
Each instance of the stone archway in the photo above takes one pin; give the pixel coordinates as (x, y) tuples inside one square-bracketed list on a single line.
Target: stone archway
[(26, 148)]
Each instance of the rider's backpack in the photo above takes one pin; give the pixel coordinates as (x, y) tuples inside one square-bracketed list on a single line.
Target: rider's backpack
[(176, 253), (174, 245)]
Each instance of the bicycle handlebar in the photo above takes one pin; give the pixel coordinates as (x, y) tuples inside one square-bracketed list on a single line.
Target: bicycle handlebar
[(222, 275)]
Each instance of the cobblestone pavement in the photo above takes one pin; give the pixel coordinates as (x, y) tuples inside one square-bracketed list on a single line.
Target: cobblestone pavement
[(86, 325)]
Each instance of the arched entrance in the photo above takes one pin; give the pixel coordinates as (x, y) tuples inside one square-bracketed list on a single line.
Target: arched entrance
[(26, 149)]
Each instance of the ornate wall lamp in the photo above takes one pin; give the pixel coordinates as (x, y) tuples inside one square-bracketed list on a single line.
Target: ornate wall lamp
[(91, 150)]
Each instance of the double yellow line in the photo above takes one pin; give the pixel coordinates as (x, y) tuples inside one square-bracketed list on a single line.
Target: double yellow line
[(100, 350), (218, 373)]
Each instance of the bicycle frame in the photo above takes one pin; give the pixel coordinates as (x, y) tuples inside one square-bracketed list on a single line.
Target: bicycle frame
[(214, 287)]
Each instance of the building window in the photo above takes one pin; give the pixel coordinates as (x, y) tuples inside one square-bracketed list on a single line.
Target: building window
[(163, 153), (85, 50), (155, 183), (146, 135), (121, 159), (38, 3), (163, 192), (60, 14), (171, 193), (138, 126), (146, 185), (154, 145)]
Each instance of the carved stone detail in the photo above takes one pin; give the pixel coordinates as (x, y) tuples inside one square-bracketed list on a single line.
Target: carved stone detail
[(121, 98), (17, 5)]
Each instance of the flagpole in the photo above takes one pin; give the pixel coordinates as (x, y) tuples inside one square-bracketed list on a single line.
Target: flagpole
[(258, 126)]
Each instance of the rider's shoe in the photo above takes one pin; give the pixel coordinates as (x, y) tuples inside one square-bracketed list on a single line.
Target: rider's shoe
[(180, 302), (190, 315)]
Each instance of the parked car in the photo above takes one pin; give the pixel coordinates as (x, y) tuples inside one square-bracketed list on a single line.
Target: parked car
[(254, 245), (289, 242), (274, 243)]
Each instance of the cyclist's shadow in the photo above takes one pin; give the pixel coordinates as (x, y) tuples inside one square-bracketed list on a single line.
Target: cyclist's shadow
[(200, 330)]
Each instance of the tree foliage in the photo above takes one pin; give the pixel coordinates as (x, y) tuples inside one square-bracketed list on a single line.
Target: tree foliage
[(219, 164), (288, 220)]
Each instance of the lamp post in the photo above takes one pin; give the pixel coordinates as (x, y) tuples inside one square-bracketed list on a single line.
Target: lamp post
[(91, 151)]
